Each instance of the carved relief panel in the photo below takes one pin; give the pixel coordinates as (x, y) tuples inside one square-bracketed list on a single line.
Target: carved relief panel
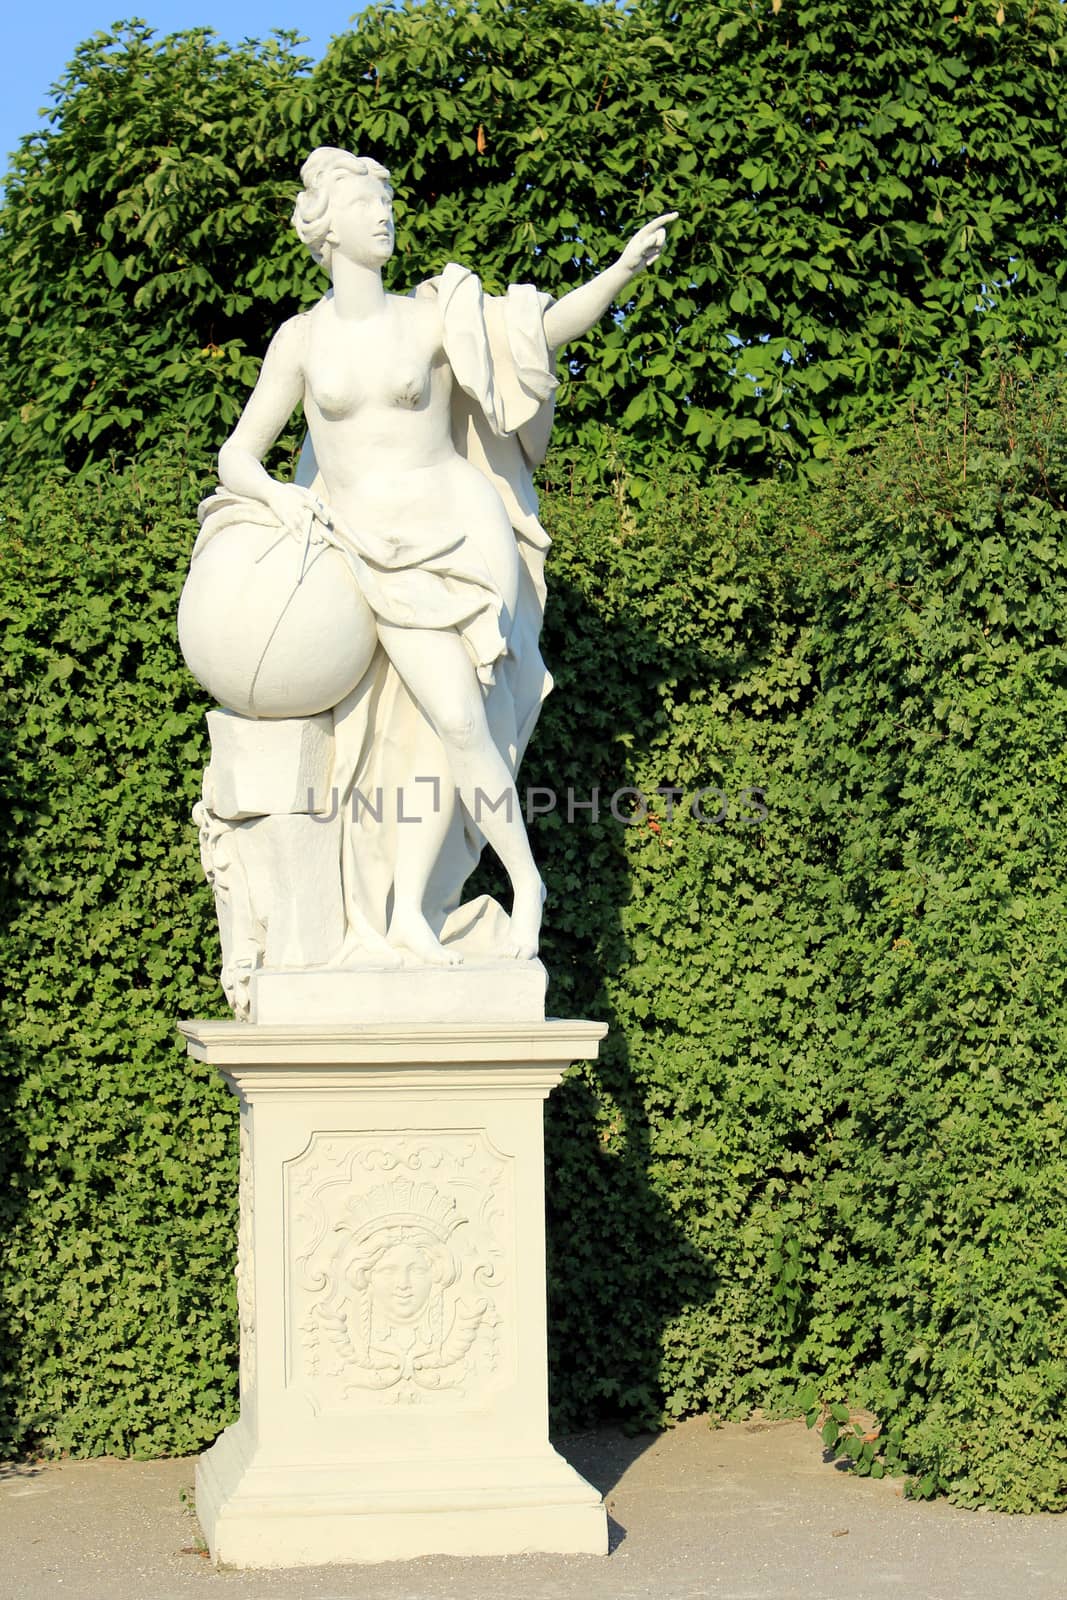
[(399, 1253)]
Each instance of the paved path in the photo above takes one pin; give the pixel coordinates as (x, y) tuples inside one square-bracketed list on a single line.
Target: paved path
[(746, 1512)]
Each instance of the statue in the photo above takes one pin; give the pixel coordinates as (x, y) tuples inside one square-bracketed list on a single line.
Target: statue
[(372, 628)]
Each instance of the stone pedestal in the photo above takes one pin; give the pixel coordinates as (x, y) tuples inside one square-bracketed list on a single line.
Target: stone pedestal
[(391, 1293)]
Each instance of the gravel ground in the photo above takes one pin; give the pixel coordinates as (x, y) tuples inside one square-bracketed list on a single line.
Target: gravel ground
[(749, 1511)]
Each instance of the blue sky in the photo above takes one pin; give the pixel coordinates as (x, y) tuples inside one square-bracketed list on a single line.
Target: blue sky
[(38, 44)]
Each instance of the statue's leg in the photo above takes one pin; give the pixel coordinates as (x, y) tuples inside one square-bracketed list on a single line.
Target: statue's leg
[(425, 806), (441, 679)]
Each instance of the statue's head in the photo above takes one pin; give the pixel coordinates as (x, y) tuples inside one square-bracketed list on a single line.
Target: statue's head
[(346, 203)]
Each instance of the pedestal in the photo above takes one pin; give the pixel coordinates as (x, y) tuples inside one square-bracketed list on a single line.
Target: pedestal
[(391, 1294)]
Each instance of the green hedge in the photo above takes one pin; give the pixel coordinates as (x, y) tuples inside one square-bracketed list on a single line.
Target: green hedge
[(820, 1162), (825, 1140), (118, 1201)]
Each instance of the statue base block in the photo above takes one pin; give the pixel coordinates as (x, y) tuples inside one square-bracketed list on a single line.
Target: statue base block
[(477, 992), (391, 1294)]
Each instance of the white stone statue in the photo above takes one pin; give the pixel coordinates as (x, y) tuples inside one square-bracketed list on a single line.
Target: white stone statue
[(372, 629)]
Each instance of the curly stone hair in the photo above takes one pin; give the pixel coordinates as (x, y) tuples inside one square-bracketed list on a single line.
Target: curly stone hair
[(311, 213)]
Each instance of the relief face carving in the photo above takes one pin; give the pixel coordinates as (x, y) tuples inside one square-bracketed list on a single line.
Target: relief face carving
[(399, 1268)]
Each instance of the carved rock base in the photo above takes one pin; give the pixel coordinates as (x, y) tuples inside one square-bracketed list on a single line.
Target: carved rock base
[(391, 1293)]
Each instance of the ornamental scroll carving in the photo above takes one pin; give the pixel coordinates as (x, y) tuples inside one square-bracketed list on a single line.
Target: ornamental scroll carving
[(400, 1268)]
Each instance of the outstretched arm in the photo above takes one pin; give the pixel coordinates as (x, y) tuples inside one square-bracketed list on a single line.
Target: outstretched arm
[(578, 311)]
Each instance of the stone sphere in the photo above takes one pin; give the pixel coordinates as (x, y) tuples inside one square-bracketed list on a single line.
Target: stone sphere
[(265, 641)]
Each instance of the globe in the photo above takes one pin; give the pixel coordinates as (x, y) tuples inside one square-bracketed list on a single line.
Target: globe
[(265, 638)]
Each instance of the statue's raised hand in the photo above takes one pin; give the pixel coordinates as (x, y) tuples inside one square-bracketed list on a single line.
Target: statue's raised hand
[(646, 244)]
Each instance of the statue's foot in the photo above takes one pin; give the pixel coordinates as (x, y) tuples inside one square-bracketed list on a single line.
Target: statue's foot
[(410, 932), (525, 922)]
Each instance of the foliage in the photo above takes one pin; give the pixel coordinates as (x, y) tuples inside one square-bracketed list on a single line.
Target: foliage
[(826, 1134), (941, 720), (117, 1201), (877, 193), (847, 238), (143, 245), (824, 1142)]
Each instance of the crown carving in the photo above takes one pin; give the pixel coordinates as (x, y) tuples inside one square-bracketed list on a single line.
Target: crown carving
[(402, 1204)]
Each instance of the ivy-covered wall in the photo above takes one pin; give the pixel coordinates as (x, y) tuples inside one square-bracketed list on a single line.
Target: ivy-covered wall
[(821, 1158), (118, 1198)]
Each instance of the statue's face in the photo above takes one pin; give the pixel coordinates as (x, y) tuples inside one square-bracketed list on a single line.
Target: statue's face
[(402, 1282), (361, 219)]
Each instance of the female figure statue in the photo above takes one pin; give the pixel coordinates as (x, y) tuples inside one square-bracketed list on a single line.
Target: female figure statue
[(426, 415)]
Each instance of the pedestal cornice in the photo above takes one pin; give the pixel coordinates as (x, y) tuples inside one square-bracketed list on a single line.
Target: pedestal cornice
[(523, 1058)]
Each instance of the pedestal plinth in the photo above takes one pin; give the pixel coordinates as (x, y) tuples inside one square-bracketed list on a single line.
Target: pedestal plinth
[(391, 1294)]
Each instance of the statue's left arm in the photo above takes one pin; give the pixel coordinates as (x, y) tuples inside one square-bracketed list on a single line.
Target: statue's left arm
[(580, 310)]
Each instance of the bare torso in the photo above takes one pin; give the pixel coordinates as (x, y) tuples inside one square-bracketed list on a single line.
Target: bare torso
[(377, 394)]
